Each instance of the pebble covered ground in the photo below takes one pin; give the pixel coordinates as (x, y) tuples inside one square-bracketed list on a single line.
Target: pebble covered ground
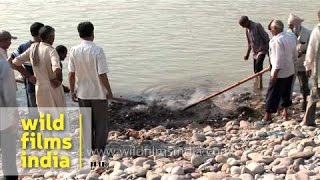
[(207, 142)]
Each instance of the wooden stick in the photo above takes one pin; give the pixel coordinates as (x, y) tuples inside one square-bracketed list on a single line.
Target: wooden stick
[(227, 88), (126, 100)]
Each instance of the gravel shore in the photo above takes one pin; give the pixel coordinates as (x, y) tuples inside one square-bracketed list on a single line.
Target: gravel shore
[(207, 142)]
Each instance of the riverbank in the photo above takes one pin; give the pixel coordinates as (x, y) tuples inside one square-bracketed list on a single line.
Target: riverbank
[(209, 141)]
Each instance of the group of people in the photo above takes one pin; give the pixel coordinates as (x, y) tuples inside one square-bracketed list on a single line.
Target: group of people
[(293, 53), (40, 65)]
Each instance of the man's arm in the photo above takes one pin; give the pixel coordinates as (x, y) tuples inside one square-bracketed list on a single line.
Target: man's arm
[(102, 70), (72, 76), (20, 69), (246, 56), (72, 81), (18, 62), (105, 81), (312, 49), (304, 41)]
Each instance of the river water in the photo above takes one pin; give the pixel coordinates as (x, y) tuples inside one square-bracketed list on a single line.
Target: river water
[(159, 45)]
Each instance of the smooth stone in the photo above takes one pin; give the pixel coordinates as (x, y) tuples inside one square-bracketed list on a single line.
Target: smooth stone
[(195, 175), (119, 166), (197, 160), (173, 177), (136, 170), (94, 158), (208, 129), (288, 136), (149, 162), (233, 162), (256, 168), (38, 175), (245, 125), (50, 174), (27, 178), (225, 168), (271, 177), (235, 170), (92, 176), (307, 142), (298, 133), (246, 176), (216, 176), (177, 170), (81, 176), (278, 148), (188, 168), (221, 159), (118, 173), (153, 176), (139, 161), (187, 156), (298, 162), (259, 158), (198, 137), (304, 155), (280, 169), (117, 157)]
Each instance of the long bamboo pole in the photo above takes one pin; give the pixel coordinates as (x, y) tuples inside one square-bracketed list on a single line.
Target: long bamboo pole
[(120, 99), (227, 88)]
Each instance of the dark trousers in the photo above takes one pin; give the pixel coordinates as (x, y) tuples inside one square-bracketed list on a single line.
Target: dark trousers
[(99, 122), (258, 63), (280, 90), (303, 82), (8, 151)]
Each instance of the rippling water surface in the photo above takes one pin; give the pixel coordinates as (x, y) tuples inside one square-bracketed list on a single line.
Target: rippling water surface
[(158, 44)]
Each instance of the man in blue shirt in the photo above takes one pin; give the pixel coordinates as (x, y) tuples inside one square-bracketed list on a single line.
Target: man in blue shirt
[(26, 70)]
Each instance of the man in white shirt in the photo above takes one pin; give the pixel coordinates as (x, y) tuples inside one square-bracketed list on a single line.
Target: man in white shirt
[(8, 129), (88, 73), (302, 34), (282, 51), (311, 64)]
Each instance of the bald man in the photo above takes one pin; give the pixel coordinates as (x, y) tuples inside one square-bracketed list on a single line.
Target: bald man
[(282, 51)]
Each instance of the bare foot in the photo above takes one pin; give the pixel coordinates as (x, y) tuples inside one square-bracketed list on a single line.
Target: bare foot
[(285, 114)]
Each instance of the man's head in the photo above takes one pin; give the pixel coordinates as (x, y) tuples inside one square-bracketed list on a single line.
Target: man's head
[(35, 27), (276, 27), (47, 34), (62, 52), (244, 21), (85, 30), (5, 39), (294, 23)]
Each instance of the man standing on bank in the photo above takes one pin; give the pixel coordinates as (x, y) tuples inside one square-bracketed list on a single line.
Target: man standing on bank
[(26, 70), (258, 42), (303, 34), (283, 54), (311, 64), (88, 64), (8, 124)]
